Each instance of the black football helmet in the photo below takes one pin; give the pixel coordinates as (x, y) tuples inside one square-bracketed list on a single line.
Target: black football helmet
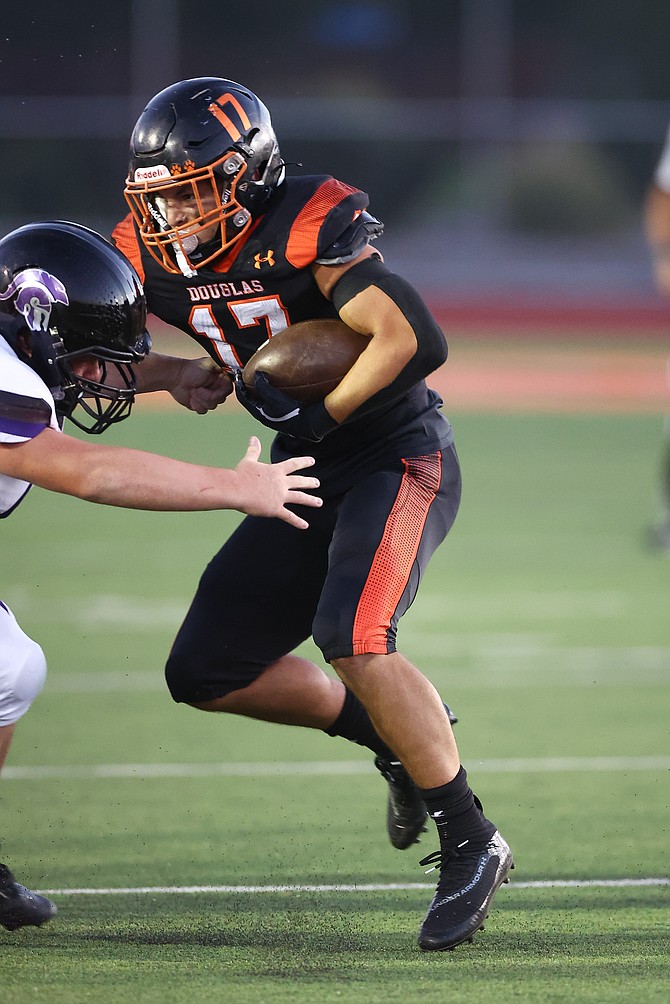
[(210, 142), (66, 292)]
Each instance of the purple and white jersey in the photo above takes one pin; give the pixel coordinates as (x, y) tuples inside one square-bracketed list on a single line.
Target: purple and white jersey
[(26, 408)]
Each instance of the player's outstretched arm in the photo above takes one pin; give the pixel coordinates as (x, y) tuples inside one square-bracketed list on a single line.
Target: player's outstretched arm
[(133, 479)]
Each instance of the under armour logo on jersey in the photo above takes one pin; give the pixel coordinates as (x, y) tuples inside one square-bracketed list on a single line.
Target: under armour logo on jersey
[(259, 260)]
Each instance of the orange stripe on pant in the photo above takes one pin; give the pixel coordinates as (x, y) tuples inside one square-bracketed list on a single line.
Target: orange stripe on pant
[(393, 560)]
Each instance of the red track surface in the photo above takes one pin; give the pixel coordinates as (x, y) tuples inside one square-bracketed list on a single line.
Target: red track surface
[(538, 362), (554, 377)]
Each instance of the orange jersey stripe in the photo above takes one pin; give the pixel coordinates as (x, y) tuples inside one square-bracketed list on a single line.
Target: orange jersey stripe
[(125, 238), (395, 555), (301, 247)]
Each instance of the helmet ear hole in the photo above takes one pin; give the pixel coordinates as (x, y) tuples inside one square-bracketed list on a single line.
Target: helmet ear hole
[(261, 171)]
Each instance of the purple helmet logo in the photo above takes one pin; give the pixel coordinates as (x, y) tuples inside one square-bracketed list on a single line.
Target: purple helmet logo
[(36, 291)]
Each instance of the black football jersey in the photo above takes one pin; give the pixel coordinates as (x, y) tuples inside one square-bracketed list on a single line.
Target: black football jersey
[(265, 283)]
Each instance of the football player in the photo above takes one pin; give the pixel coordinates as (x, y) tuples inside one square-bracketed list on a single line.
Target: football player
[(72, 332), (657, 227), (231, 251)]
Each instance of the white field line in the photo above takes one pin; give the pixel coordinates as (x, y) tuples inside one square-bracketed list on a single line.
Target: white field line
[(362, 887), (473, 662), (141, 771), (145, 614)]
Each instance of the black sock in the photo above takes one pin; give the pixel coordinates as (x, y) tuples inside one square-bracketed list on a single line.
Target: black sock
[(353, 723), (457, 813)]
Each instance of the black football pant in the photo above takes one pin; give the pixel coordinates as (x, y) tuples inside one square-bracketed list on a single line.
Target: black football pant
[(346, 581)]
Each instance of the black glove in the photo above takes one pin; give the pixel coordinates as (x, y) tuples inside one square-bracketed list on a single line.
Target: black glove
[(283, 413)]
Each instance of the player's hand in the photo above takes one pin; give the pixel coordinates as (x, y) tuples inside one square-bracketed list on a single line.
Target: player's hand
[(269, 488), (284, 414), (201, 385)]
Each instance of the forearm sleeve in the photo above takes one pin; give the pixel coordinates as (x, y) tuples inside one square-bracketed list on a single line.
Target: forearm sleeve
[(431, 343)]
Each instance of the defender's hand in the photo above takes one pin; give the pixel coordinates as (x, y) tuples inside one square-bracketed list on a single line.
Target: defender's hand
[(201, 385), (269, 488)]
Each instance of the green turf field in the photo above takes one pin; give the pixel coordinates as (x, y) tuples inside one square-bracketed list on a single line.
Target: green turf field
[(544, 621)]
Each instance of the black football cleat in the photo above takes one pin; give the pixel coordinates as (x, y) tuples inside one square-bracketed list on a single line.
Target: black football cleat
[(19, 907), (452, 717), (406, 812), (467, 885)]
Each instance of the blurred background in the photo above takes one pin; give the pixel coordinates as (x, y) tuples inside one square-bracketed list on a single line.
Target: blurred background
[(506, 144)]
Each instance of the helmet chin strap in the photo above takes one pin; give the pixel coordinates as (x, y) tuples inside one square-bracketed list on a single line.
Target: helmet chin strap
[(181, 259)]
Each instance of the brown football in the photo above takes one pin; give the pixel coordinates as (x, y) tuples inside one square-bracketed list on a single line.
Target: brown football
[(308, 359)]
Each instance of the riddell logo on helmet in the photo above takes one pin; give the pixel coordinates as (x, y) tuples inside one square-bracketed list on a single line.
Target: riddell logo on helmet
[(151, 173)]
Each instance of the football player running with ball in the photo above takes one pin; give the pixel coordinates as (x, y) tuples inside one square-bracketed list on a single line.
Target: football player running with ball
[(72, 341), (231, 251)]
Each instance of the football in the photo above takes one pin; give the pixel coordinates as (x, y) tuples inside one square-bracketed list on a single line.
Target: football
[(308, 359)]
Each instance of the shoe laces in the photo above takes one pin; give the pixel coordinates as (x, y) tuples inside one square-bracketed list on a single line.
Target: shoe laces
[(454, 863)]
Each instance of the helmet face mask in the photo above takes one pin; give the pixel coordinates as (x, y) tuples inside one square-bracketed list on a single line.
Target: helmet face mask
[(204, 160), (208, 200), (94, 405), (67, 296)]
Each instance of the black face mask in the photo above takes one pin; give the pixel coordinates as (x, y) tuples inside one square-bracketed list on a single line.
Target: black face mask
[(101, 404), (98, 404)]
